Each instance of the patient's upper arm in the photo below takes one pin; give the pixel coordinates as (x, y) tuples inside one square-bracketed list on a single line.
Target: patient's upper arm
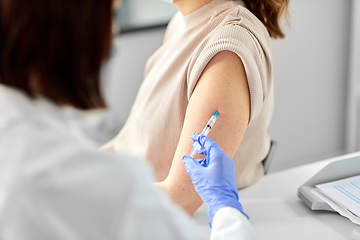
[(222, 87)]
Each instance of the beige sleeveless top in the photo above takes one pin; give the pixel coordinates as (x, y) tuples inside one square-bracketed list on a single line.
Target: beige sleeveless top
[(153, 128)]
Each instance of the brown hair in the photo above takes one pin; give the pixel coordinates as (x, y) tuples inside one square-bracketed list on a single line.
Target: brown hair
[(61, 42), (269, 12)]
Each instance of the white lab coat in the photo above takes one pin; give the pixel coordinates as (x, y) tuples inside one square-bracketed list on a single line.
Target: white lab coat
[(53, 186)]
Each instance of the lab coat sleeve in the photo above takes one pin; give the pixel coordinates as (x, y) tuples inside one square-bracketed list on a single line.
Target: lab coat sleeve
[(230, 224), (150, 213), (57, 189)]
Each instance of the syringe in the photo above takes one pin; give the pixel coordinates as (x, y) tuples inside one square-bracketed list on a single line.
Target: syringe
[(207, 128)]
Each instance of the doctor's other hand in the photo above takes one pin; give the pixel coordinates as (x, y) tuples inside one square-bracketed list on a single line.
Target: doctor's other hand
[(214, 176)]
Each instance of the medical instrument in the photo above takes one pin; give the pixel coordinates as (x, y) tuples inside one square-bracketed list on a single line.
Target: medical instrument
[(205, 132)]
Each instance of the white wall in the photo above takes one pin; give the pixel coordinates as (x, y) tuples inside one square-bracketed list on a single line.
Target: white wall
[(311, 74), (140, 13), (353, 106), (311, 71)]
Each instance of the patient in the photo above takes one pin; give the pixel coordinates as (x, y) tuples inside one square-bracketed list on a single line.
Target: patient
[(216, 56)]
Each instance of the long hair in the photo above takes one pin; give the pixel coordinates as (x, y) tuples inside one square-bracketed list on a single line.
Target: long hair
[(61, 42), (269, 12)]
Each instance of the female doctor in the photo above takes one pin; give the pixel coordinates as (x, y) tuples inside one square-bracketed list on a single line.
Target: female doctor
[(54, 186)]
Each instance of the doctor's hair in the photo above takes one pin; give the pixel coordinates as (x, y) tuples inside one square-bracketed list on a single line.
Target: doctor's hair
[(58, 44), (270, 12)]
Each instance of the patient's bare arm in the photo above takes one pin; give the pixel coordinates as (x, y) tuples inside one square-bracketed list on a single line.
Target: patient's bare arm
[(222, 87), (109, 146)]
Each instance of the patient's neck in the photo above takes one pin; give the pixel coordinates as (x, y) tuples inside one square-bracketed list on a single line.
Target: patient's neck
[(188, 6)]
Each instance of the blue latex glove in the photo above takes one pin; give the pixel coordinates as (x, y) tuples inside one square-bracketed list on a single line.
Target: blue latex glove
[(214, 176)]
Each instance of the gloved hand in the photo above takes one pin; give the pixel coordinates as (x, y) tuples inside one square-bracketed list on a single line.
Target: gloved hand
[(214, 176)]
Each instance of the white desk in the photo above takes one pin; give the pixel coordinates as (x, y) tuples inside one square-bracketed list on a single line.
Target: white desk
[(277, 213)]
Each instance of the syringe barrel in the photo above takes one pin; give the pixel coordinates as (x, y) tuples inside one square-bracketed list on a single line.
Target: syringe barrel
[(208, 126), (205, 132), (196, 147)]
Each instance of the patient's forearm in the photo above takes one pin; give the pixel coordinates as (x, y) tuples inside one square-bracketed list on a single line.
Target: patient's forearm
[(109, 146), (187, 198)]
